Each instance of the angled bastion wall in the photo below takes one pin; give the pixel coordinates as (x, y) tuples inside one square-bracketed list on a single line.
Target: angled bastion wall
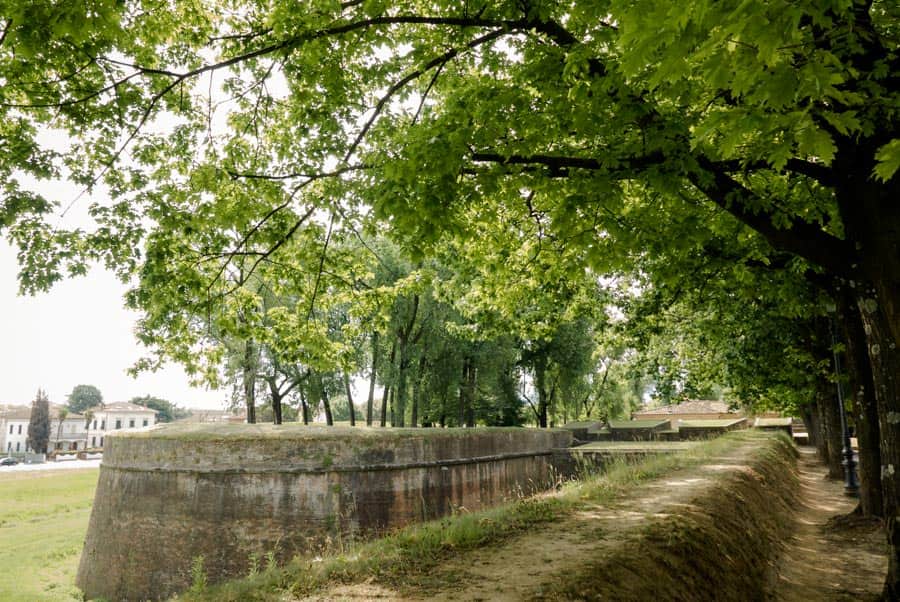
[(226, 492)]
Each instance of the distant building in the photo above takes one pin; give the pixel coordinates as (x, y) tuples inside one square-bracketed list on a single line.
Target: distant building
[(117, 416), (71, 435), (696, 409), (14, 429), (75, 433)]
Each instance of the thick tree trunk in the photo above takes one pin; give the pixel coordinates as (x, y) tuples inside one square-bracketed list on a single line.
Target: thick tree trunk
[(304, 406), (276, 408), (349, 399), (865, 411), (871, 219), (371, 399), (277, 396), (884, 358)]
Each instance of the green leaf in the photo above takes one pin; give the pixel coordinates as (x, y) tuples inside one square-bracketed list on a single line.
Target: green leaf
[(888, 157)]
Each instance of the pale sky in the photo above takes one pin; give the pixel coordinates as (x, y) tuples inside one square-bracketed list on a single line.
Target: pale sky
[(78, 333)]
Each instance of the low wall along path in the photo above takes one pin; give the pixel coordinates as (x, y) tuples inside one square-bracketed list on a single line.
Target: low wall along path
[(173, 494)]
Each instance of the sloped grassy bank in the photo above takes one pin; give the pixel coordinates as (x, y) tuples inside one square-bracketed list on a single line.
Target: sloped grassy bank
[(721, 547), (734, 529)]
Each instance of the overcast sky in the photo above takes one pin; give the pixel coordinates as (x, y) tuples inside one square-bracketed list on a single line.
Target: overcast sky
[(78, 333)]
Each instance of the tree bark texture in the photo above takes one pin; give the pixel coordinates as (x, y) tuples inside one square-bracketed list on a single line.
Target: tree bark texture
[(861, 390)]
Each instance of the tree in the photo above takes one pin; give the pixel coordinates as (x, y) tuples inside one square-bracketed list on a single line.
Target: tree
[(39, 424), (597, 125), (166, 411), (61, 416), (84, 397)]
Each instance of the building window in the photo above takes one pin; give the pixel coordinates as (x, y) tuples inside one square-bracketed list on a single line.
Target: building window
[(118, 424), (17, 445), (145, 422), (131, 423), (101, 441), (20, 429), (102, 427), (93, 441), (95, 425)]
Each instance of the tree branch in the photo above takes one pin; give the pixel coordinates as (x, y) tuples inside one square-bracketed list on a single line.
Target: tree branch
[(438, 61), (800, 238)]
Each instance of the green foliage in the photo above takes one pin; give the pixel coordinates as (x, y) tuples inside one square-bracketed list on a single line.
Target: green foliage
[(166, 410), (39, 423), (198, 575), (517, 158), (83, 398)]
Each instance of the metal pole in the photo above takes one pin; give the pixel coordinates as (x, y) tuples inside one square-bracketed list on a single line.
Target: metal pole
[(851, 482)]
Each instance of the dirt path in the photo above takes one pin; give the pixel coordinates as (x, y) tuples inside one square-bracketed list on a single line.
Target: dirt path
[(828, 560), (522, 568), (823, 560)]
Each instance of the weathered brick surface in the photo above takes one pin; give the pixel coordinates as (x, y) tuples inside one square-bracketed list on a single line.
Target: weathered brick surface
[(167, 496)]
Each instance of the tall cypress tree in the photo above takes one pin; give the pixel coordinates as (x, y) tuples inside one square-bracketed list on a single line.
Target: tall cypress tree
[(39, 425)]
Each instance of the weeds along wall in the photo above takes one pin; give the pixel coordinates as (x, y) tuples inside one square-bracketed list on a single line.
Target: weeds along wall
[(219, 496)]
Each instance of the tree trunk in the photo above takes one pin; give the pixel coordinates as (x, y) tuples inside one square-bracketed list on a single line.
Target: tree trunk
[(326, 404), (865, 411), (871, 219), (304, 407), (349, 399), (810, 415), (387, 387), (249, 378), (371, 399), (276, 395), (384, 404), (464, 392), (540, 381), (885, 361), (399, 416), (830, 419), (414, 421), (471, 387)]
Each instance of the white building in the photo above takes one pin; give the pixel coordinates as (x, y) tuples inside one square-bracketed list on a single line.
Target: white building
[(117, 416), (75, 433), (14, 429), (71, 435)]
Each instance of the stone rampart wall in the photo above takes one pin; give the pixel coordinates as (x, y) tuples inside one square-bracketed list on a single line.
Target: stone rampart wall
[(227, 492)]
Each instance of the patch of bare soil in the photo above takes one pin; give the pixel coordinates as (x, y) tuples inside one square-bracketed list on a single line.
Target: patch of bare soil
[(830, 556), (531, 566)]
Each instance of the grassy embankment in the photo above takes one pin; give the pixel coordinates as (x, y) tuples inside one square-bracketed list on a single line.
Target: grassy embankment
[(405, 557), (43, 519)]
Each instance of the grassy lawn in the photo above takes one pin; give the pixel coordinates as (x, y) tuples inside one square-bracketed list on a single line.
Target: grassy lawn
[(43, 519)]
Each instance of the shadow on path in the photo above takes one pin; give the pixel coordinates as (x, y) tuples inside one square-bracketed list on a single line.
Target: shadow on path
[(829, 556)]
